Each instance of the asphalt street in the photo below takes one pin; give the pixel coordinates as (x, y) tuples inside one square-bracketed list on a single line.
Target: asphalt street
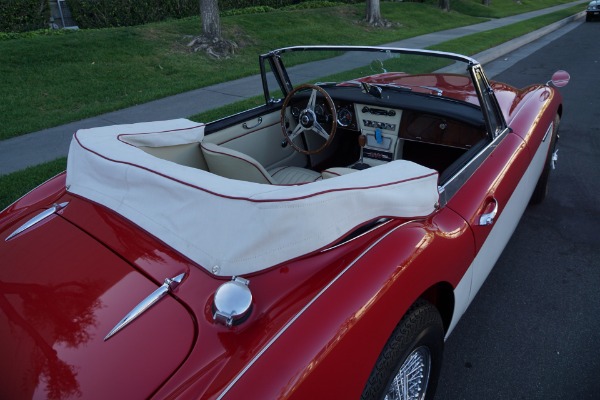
[(533, 331)]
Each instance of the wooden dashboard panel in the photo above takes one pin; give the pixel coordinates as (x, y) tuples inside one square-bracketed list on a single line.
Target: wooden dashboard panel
[(433, 129)]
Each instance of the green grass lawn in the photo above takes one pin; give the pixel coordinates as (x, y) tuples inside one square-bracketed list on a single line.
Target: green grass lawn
[(18, 183), (158, 51), (49, 80), (475, 43)]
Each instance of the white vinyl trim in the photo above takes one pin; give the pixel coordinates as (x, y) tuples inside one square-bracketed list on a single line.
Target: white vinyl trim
[(499, 236)]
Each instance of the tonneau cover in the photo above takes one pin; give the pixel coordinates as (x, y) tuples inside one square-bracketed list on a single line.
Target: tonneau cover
[(232, 227)]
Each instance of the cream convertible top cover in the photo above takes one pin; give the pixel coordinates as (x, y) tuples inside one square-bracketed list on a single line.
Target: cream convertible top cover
[(232, 227)]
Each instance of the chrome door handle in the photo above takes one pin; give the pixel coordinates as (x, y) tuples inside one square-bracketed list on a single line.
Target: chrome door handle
[(258, 122), (488, 218)]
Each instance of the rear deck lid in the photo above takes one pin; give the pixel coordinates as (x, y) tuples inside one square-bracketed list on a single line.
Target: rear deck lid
[(61, 292)]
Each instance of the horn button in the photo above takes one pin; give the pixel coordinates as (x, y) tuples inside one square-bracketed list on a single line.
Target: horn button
[(307, 118)]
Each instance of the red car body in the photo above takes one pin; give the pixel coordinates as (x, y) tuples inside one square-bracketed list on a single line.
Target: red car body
[(315, 321)]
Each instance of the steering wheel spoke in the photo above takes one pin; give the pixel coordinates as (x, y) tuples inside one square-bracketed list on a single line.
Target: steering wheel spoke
[(297, 130), (307, 118), (320, 130), (312, 100)]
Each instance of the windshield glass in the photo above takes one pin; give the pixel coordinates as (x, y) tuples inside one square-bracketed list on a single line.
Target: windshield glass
[(434, 73)]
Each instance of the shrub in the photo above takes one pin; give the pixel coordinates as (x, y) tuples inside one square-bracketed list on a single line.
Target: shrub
[(105, 13), (311, 4), (247, 10), (23, 15)]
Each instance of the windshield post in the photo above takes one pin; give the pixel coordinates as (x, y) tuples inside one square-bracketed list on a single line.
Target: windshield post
[(491, 112), (278, 71)]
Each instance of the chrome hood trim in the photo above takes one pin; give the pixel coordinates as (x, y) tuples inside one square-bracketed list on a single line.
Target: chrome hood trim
[(37, 219), (169, 285)]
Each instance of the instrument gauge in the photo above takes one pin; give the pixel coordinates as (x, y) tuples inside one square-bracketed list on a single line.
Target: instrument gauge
[(319, 110), (344, 116), (295, 112)]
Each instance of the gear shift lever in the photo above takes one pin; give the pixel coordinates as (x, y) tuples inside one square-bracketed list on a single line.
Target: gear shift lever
[(362, 141)]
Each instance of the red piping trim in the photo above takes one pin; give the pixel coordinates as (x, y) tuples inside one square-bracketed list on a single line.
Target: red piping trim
[(332, 173)]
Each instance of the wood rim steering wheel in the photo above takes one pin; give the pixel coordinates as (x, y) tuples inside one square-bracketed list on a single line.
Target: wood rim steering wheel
[(307, 120)]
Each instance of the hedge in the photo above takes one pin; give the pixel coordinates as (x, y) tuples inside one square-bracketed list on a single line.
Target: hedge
[(23, 15), (29, 15), (106, 13)]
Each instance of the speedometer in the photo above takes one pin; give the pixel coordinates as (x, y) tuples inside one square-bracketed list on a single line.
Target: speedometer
[(344, 116)]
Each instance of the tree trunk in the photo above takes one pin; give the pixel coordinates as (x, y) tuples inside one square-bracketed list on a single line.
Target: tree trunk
[(211, 21), (485, 2), (374, 13), (445, 5)]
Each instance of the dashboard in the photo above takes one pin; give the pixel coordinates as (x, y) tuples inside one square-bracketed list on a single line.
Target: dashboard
[(401, 126)]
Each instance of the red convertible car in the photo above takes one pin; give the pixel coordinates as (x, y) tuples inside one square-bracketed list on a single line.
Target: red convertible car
[(324, 244)]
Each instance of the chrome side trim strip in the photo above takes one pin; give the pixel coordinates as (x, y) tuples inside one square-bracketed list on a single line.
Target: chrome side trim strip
[(381, 222), (306, 307), (37, 219), (548, 131), (169, 285)]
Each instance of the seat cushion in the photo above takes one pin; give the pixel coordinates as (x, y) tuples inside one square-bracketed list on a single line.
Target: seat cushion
[(336, 171), (232, 164), (293, 175)]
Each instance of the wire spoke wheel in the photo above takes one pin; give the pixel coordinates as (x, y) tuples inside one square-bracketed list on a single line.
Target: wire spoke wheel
[(413, 377), (408, 367)]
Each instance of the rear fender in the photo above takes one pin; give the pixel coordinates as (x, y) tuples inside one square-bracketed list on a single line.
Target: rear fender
[(341, 332)]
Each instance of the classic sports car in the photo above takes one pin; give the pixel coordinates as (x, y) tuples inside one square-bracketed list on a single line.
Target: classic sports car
[(225, 260), (592, 11)]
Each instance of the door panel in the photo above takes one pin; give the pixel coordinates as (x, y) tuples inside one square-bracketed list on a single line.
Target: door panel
[(496, 192)]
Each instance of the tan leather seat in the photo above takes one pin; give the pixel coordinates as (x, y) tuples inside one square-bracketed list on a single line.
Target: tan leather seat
[(232, 164), (337, 171)]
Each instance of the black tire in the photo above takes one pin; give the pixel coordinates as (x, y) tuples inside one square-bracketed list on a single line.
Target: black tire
[(421, 329), (541, 188), (588, 18)]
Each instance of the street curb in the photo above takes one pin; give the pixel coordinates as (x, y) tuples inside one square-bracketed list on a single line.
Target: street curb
[(492, 54)]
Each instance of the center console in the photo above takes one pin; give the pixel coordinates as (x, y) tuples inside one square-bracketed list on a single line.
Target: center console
[(380, 125)]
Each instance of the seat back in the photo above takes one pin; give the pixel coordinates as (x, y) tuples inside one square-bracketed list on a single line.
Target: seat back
[(232, 164)]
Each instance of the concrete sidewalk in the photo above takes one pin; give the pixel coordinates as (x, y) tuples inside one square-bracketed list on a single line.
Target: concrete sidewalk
[(49, 144)]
